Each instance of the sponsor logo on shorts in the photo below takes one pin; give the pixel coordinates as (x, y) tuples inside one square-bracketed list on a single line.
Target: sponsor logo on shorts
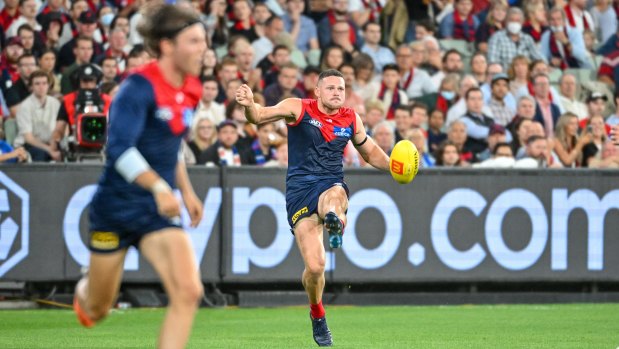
[(103, 240), (342, 131), (316, 123), (397, 167), (296, 216)]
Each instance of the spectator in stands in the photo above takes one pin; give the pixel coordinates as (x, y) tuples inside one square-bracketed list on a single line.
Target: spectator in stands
[(121, 22), (244, 57), (537, 154), (9, 13), (110, 88), (448, 155), (435, 127), (418, 138), (83, 52), (496, 135), (109, 68), (568, 145), (423, 29), (457, 134), (478, 125), (231, 88), (451, 64), (501, 157), (338, 12), (364, 75), (520, 130), (458, 108), (27, 36), (508, 43), (36, 119), (596, 104), (286, 85), (226, 152), (310, 81), (366, 11), (261, 14), (203, 135), (568, 87), (340, 37), (374, 114), (117, 41), (493, 23), (281, 154), (70, 28), (381, 55), (217, 24), (518, 73), (479, 67), (524, 110), (461, 24), (244, 24), (610, 157), (486, 87), (388, 91), (263, 148), (302, 29), (210, 62), (577, 17), (264, 46), (609, 69), (501, 113), (383, 135), (271, 65), (403, 118), (10, 72), (85, 28), (51, 28), (332, 57), (563, 47), (605, 19), (28, 13), (353, 100), (536, 23), (419, 113), (613, 120), (593, 150), (20, 90), (47, 62), (208, 107), (228, 70), (414, 81), (546, 110), (434, 57)]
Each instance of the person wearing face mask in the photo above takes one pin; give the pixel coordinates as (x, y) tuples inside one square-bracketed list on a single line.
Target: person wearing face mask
[(506, 44), (445, 97), (563, 47)]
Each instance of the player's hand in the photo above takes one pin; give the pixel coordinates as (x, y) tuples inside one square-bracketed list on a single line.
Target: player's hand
[(167, 204), (194, 207), (244, 96), (614, 134)]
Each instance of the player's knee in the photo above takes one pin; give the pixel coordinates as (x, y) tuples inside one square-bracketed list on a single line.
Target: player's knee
[(189, 293), (316, 268)]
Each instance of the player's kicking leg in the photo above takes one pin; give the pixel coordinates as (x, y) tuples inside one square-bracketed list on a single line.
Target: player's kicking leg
[(170, 252), (308, 233), (332, 206), (96, 292)]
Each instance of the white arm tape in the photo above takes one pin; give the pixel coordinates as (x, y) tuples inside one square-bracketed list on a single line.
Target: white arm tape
[(131, 164)]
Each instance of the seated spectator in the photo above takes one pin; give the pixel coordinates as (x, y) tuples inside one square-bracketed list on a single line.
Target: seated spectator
[(419, 114), (338, 12), (109, 68), (9, 67), (83, 53), (577, 17), (435, 127), (117, 42), (540, 67), (9, 13), (433, 61), (227, 70), (9, 154), (310, 80), (110, 88), (86, 28), (461, 24), (381, 55), (568, 145), (20, 90), (225, 151), (537, 154), (417, 137), (493, 23), (501, 112), (340, 36), (613, 120), (384, 137), (69, 29), (364, 11), (536, 23), (451, 64), (403, 118), (28, 10), (458, 109), (479, 67), (364, 75), (446, 96), (244, 24), (605, 19), (518, 73), (502, 157), (508, 43), (30, 40), (546, 110), (36, 119), (231, 88), (456, 134), (244, 57), (261, 14), (596, 104), (281, 154), (520, 130), (414, 81), (286, 85), (264, 45), (496, 135), (448, 155), (353, 100), (208, 107), (332, 57), (374, 114), (486, 88), (424, 28), (610, 157), (47, 62), (302, 29), (246, 131), (203, 135), (609, 69), (568, 86), (271, 65), (389, 92), (593, 150), (563, 47), (263, 148)]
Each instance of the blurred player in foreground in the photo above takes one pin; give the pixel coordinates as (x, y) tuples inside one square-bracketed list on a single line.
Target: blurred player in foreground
[(134, 204), (316, 195)]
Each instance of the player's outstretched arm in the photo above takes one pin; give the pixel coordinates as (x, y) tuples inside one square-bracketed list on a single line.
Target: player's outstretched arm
[(371, 153), (288, 109)]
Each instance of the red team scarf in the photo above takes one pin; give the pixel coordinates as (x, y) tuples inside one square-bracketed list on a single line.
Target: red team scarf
[(408, 81), (375, 9), (460, 32), (442, 104), (570, 17), (351, 31), (532, 93), (395, 100), (567, 60), (238, 25), (529, 29)]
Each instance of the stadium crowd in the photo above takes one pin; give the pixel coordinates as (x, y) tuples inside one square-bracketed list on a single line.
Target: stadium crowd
[(482, 83)]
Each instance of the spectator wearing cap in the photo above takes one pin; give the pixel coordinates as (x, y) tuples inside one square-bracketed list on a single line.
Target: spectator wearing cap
[(225, 151), (83, 52), (613, 120), (52, 24), (461, 24), (244, 24), (10, 74), (208, 107), (9, 13), (381, 55), (568, 87), (86, 27), (563, 47), (414, 81), (70, 28), (596, 104), (509, 100), (286, 85), (274, 26), (510, 42), (501, 113), (302, 29), (496, 135), (21, 89), (28, 13), (547, 112), (36, 119)]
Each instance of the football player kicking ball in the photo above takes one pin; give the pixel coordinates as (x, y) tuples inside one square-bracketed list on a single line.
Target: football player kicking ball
[(134, 204), (316, 195)]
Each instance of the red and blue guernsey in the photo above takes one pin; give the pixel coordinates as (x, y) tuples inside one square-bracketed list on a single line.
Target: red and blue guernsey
[(316, 143), (152, 116)]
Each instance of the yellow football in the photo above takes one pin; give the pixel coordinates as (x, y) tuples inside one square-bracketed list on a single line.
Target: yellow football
[(404, 162)]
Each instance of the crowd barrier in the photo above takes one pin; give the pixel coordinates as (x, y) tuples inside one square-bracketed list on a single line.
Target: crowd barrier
[(446, 226)]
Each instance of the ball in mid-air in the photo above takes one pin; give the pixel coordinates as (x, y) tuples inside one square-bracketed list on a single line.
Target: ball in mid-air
[(404, 162)]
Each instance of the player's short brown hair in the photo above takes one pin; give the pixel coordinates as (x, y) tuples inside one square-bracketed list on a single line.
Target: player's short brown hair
[(163, 22), (329, 72)]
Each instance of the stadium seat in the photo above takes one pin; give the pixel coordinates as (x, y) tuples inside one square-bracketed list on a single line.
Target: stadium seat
[(10, 130), (313, 57), (554, 76), (460, 45), (296, 57), (582, 75)]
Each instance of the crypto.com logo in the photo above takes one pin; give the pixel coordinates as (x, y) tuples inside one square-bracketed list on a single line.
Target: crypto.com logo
[(9, 229)]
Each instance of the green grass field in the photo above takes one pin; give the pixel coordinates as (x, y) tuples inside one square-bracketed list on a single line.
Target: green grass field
[(509, 326)]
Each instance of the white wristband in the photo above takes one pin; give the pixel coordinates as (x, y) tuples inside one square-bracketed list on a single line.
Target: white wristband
[(160, 186)]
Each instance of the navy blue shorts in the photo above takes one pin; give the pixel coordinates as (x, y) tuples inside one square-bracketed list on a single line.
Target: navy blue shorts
[(302, 197), (116, 225)]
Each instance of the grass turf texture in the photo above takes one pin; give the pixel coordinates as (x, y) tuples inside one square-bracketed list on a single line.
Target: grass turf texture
[(504, 326)]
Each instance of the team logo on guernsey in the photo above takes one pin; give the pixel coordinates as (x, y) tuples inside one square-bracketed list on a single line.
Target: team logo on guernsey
[(342, 131), (164, 114), (316, 123), (187, 117)]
